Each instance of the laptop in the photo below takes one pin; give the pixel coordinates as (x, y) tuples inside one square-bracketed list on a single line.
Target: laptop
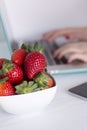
[(55, 66)]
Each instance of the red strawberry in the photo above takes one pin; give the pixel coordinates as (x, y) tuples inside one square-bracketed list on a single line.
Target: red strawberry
[(18, 56), (13, 72), (6, 89), (44, 80), (34, 63), (50, 81), (2, 61)]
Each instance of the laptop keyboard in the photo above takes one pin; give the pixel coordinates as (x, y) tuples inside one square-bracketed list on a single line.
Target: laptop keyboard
[(63, 60), (49, 49)]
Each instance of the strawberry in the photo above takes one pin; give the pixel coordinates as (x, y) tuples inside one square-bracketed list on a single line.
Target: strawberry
[(44, 80), (13, 72), (18, 56), (6, 89), (2, 61), (34, 63)]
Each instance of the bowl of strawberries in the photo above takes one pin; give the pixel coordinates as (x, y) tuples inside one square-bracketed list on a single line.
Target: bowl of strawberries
[(25, 84)]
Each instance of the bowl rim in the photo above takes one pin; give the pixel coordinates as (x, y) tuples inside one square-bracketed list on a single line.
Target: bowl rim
[(32, 93)]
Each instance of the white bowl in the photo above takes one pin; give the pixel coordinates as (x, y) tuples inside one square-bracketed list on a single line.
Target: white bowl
[(27, 103)]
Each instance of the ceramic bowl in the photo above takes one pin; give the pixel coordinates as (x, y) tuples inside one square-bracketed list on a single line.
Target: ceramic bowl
[(27, 103)]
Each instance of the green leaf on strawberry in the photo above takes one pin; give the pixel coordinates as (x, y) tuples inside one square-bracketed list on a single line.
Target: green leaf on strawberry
[(36, 47), (26, 87), (44, 80)]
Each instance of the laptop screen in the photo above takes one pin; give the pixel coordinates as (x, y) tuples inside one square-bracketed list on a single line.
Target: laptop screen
[(5, 46)]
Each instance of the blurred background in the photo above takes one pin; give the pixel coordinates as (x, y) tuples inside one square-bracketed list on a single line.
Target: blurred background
[(29, 19)]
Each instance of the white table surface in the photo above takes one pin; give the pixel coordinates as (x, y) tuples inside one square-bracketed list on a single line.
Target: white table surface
[(65, 112)]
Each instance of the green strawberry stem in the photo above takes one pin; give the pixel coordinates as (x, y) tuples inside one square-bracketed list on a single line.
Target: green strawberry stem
[(42, 79), (7, 65), (3, 80), (26, 87), (1, 73), (25, 47), (37, 47)]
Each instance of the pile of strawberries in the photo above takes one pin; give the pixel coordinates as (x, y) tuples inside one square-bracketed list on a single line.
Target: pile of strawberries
[(26, 71)]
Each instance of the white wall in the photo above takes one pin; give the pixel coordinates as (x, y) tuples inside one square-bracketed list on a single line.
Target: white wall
[(28, 19)]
